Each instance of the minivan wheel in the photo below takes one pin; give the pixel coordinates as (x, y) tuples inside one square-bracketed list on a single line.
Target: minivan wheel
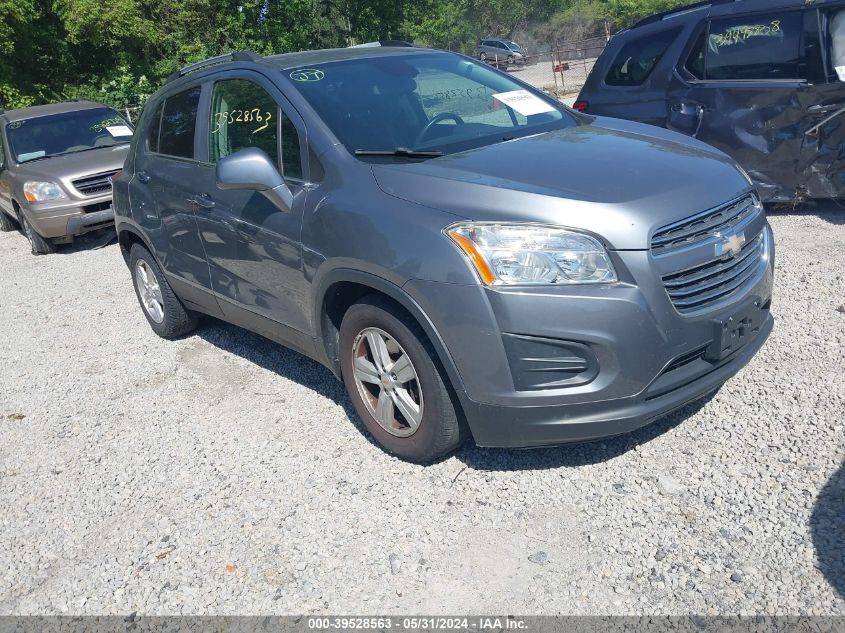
[(165, 313), (6, 223), (483, 56), (510, 60), (390, 372), (39, 245)]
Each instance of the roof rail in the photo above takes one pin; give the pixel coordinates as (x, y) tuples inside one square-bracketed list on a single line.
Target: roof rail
[(657, 17), (235, 56)]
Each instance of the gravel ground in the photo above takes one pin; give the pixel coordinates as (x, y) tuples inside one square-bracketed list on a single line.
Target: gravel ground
[(224, 474)]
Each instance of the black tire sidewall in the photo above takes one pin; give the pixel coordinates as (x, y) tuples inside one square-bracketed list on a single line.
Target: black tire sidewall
[(176, 320), (437, 407), (38, 244), (6, 223)]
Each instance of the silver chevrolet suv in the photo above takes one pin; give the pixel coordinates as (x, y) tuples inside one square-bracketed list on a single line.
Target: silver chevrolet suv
[(56, 165)]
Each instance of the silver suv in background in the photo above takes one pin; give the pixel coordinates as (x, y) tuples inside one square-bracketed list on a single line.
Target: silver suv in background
[(501, 51), (56, 165)]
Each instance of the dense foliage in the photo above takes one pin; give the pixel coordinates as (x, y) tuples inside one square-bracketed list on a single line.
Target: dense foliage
[(119, 51)]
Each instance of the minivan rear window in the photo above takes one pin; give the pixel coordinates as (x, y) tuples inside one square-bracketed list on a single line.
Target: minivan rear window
[(638, 58)]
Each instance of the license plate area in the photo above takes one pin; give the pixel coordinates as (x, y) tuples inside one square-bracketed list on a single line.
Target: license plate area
[(733, 332)]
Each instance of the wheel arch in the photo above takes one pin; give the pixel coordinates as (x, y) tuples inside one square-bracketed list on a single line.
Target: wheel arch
[(127, 236), (341, 288)]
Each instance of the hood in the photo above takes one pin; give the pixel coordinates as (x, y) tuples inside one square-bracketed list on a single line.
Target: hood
[(618, 179), (65, 169)]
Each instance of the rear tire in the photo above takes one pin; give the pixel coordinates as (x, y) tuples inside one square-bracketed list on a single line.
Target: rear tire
[(7, 223), (39, 245), (164, 312), (399, 392)]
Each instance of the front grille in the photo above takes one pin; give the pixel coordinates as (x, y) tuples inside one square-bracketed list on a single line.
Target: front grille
[(98, 206), (702, 226), (93, 185), (700, 286)]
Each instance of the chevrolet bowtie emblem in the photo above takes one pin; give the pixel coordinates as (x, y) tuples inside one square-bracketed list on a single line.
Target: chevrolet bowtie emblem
[(730, 245)]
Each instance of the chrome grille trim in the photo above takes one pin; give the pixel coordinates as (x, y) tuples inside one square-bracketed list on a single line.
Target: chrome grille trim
[(94, 185), (702, 226)]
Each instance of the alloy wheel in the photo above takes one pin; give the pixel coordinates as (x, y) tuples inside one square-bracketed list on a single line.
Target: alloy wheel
[(149, 291), (387, 382)]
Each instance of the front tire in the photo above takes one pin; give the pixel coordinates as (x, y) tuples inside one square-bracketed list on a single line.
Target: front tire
[(164, 312), (6, 223), (39, 245), (391, 373)]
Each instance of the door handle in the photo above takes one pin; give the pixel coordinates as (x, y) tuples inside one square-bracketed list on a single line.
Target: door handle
[(203, 201), (143, 177)]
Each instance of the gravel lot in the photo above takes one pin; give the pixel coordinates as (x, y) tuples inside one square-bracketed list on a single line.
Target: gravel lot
[(224, 474)]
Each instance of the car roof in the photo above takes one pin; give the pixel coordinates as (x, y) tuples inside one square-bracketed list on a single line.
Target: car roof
[(728, 7), (288, 61), (53, 108)]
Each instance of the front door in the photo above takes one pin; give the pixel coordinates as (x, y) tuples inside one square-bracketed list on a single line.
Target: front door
[(751, 87), (254, 248), (823, 158)]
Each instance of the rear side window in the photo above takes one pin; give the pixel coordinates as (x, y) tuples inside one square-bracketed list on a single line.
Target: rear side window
[(638, 58), (764, 46), (178, 123)]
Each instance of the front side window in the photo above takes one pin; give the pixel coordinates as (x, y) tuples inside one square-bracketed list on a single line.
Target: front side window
[(178, 123), (427, 101), (67, 133), (244, 115), (764, 46), (637, 59)]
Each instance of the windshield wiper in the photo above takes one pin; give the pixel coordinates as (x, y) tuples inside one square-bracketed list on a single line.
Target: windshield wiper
[(404, 152)]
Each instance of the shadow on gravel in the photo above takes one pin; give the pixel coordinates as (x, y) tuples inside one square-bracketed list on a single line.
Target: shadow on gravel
[(574, 455), (312, 375), (282, 361), (828, 527), (831, 211), (89, 242)]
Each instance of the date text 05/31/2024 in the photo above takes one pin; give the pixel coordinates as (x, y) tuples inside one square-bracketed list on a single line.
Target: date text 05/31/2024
[(481, 623)]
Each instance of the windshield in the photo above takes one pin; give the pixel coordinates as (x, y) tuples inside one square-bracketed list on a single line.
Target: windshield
[(514, 46), (66, 133), (426, 101)]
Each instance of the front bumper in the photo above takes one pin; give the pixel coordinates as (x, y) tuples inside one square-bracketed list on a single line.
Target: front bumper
[(557, 365), (57, 221)]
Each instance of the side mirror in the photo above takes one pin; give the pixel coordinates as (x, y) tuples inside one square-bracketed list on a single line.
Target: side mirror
[(253, 169)]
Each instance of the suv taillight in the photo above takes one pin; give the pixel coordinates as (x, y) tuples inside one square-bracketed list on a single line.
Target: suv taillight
[(581, 106)]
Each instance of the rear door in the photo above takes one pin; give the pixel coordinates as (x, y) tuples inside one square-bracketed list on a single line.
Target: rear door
[(164, 186), (746, 88)]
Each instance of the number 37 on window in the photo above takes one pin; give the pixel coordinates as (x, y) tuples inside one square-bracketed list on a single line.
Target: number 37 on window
[(232, 117)]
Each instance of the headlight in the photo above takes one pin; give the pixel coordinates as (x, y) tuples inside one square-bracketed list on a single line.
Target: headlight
[(41, 191), (532, 254)]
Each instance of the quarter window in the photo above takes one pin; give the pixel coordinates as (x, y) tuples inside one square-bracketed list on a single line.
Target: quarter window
[(178, 124), (638, 58), (153, 129), (755, 47)]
